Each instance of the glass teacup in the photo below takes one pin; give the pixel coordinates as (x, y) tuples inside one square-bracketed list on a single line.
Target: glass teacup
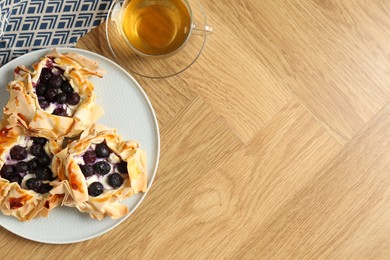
[(156, 27), (169, 45)]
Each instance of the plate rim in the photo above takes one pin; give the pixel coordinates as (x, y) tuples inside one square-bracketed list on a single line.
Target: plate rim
[(145, 96)]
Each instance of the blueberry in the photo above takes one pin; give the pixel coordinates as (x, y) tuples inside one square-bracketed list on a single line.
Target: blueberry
[(73, 99), (49, 63), (44, 159), (18, 153), (95, 189), (33, 164), (122, 167), (61, 98), (44, 188), (115, 180), (45, 75), (16, 178), (102, 150), (21, 167), (51, 94), (89, 157), (55, 81), (36, 149), (102, 168), (39, 140), (66, 87), (7, 171), (43, 173), (43, 103), (33, 184), (59, 111), (87, 170), (40, 89)]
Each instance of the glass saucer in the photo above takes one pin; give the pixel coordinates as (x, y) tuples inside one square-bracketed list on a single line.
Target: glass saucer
[(156, 67)]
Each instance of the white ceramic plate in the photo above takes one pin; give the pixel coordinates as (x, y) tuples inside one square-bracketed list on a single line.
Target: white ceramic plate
[(128, 109)]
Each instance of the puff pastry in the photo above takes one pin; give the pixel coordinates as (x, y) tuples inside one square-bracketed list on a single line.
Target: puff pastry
[(55, 99), (25, 173), (99, 170)]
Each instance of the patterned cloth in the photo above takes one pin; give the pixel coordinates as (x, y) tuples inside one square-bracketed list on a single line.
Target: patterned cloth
[(27, 25)]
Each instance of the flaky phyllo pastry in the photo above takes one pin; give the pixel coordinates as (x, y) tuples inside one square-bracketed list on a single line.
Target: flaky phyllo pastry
[(26, 175), (99, 170), (55, 99)]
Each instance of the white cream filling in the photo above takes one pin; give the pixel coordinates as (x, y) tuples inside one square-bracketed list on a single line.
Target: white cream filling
[(25, 178), (70, 110), (102, 179), (112, 158), (27, 142), (78, 160), (51, 108)]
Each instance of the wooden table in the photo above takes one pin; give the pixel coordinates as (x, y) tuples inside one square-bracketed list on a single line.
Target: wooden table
[(275, 144)]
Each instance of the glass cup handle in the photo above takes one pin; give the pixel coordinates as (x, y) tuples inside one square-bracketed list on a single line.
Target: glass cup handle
[(116, 12), (207, 29)]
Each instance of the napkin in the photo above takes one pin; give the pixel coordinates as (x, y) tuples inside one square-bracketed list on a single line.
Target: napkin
[(28, 25)]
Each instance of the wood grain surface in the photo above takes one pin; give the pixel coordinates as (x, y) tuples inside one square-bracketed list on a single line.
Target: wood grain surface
[(275, 144)]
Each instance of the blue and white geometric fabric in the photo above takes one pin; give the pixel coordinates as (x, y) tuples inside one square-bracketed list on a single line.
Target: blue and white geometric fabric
[(27, 25)]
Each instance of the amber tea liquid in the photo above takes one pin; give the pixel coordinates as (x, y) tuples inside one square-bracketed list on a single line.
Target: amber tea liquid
[(156, 27)]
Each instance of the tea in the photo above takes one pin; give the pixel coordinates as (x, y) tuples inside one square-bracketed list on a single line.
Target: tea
[(156, 27)]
